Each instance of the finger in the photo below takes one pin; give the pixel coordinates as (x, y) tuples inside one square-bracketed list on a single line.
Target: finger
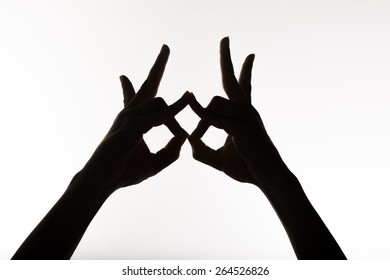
[(246, 75), (149, 88), (228, 141), (200, 130), (229, 81), (212, 117), (167, 155), (168, 112), (200, 151), (223, 106), (156, 104), (175, 128), (128, 89), (153, 105)]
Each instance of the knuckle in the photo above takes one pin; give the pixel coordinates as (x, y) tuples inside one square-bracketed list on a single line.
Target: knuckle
[(216, 99), (160, 101)]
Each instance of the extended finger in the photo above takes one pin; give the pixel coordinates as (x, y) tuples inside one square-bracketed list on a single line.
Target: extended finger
[(153, 105), (212, 114), (128, 89), (200, 130), (175, 128), (167, 112), (149, 88), (229, 81), (224, 106), (246, 75)]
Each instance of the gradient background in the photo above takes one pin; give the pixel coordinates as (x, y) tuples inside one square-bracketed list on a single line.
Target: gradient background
[(320, 83)]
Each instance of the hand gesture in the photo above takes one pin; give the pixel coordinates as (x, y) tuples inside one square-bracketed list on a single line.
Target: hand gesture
[(123, 158), (248, 154)]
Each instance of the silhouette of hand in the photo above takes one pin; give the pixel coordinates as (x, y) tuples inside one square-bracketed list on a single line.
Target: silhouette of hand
[(248, 154), (123, 158)]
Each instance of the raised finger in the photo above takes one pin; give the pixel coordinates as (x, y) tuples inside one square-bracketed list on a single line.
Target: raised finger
[(246, 75), (229, 81), (128, 89), (149, 88)]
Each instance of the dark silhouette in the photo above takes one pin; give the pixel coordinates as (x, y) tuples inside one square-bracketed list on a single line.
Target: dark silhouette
[(121, 159), (249, 155)]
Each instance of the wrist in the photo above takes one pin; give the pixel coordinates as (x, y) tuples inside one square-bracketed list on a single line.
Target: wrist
[(281, 184), (84, 186)]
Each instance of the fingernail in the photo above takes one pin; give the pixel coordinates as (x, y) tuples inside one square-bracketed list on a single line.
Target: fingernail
[(187, 93)]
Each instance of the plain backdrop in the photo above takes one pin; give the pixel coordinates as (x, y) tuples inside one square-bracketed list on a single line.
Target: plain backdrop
[(320, 83)]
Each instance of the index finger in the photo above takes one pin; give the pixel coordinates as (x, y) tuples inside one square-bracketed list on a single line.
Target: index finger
[(167, 112), (229, 81), (149, 88)]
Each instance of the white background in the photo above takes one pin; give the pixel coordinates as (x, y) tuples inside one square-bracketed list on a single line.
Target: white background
[(320, 83)]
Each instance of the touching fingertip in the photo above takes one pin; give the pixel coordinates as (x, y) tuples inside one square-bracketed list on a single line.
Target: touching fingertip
[(185, 134), (188, 95)]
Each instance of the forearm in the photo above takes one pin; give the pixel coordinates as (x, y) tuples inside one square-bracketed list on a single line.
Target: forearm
[(308, 234), (60, 231)]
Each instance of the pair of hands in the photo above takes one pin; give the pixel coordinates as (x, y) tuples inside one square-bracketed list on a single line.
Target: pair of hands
[(124, 159)]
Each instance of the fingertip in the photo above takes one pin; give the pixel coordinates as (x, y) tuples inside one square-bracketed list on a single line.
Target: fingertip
[(178, 131), (188, 97), (249, 61), (184, 135), (225, 40), (191, 137), (196, 107), (194, 141), (165, 49), (124, 79), (187, 94)]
